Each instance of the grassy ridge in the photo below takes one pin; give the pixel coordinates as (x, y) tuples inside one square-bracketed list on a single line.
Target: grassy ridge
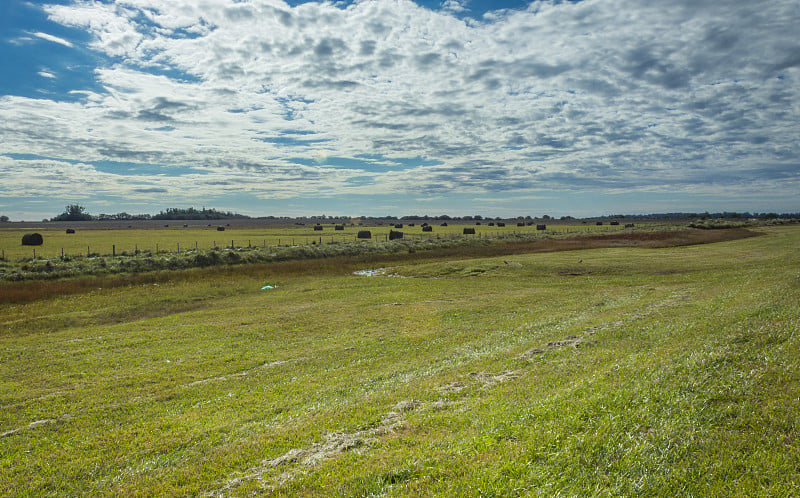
[(450, 243), (608, 371)]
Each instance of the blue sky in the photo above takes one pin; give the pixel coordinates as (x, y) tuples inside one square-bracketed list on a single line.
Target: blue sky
[(394, 107)]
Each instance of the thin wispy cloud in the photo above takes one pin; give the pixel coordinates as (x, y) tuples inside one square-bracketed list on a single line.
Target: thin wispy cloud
[(613, 103), (52, 38)]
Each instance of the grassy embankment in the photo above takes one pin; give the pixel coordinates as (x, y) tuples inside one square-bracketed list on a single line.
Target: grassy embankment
[(127, 251), (623, 371)]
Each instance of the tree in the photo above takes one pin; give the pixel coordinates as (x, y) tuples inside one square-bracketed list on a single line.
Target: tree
[(3, 218), (73, 212)]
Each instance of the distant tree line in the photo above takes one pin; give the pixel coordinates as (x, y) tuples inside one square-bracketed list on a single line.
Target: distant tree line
[(76, 212), (193, 214)]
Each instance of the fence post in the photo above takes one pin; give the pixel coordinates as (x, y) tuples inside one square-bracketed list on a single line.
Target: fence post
[(34, 253), (113, 250), (87, 251), (231, 243)]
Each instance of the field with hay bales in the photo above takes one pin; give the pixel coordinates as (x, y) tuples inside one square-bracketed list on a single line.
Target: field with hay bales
[(633, 365), (120, 238)]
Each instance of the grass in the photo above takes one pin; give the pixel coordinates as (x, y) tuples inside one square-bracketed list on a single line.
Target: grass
[(451, 243), (605, 371), (175, 238)]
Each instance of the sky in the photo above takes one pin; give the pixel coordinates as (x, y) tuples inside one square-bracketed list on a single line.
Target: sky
[(396, 107)]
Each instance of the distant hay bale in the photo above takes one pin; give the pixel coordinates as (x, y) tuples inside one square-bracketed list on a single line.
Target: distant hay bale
[(628, 225), (220, 229), (364, 234), (521, 224), (427, 228), (469, 231), (399, 225), (317, 228), (70, 230), (411, 224), (395, 235), (185, 226), (477, 222), (32, 239), (338, 227), (541, 227), (443, 225), (424, 224), (599, 223), (491, 223), (501, 224), (615, 222)]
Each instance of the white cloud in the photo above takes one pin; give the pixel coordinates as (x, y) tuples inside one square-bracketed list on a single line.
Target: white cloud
[(53, 38), (607, 94)]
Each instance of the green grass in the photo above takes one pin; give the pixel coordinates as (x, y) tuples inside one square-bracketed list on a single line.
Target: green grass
[(611, 371), (175, 238)]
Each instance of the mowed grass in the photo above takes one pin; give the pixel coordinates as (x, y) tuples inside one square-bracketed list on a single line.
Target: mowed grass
[(201, 236), (616, 371)]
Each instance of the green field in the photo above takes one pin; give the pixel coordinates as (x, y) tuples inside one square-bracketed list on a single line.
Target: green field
[(621, 371), (176, 238)]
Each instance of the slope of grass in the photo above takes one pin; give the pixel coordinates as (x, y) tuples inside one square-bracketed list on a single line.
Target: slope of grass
[(608, 371)]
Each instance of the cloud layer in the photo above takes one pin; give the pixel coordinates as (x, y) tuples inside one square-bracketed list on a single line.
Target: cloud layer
[(386, 97)]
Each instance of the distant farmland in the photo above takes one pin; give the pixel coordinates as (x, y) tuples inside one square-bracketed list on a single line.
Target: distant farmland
[(106, 238)]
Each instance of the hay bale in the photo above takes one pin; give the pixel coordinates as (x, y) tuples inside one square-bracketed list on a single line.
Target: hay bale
[(599, 223), (615, 223), (317, 228), (364, 234), (443, 225), (399, 225), (32, 239), (427, 228), (70, 230), (338, 227), (501, 224), (395, 234), (541, 227), (628, 225), (491, 223), (521, 224), (469, 231), (220, 229)]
